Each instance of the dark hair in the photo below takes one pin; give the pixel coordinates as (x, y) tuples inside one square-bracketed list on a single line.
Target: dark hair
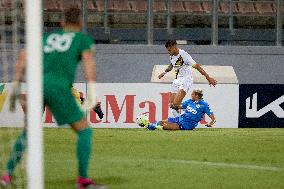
[(170, 43), (72, 15)]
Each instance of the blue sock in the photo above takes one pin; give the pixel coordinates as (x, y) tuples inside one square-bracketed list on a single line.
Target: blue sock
[(153, 126)]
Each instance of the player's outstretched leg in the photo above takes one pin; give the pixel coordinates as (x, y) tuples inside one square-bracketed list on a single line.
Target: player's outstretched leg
[(15, 157), (164, 125), (154, 126), (174, 112), (84, 146), (170, 126)]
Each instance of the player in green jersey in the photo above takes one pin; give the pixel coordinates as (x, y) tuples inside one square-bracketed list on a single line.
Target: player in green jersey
[(63, 50)]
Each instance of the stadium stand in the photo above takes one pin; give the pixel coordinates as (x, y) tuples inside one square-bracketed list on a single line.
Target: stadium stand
[(249, 17), (177, 6), (194, 7), (252, 7), (183, 13)]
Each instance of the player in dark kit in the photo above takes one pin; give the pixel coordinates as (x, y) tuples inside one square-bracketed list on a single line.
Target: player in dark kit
[(63, 50)]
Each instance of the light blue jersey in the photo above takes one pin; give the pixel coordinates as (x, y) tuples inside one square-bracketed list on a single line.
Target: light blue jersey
[(194, 112)]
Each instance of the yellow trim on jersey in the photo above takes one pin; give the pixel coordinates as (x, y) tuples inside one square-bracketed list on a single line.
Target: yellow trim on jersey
[(76, 94), (194, 65)]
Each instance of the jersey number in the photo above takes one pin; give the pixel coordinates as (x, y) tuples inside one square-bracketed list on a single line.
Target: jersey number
[(59, 43)]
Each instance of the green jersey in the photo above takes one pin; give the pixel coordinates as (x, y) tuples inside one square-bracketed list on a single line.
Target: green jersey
[(62, 53)]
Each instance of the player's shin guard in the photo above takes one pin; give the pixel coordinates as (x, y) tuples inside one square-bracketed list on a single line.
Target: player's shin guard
[(17, 152), (84, 146)]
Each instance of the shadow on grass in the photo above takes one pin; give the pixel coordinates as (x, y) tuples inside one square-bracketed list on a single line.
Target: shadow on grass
[(62, 184), (111, 180), (52, 184)]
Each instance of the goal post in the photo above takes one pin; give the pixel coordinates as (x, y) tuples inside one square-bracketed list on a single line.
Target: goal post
[(33, 28)]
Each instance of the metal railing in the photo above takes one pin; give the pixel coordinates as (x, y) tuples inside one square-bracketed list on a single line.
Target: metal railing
[(169, 14)]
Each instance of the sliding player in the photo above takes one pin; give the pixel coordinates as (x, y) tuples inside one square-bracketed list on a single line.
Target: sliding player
[(195, 108), (63, 50), (182, 62)]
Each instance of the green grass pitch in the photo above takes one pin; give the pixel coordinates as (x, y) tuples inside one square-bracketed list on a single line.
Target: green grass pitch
[(136, 158)]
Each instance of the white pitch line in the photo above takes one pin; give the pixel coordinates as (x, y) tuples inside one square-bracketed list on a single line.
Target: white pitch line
[(194, 162), (228, 165), (207, 163)]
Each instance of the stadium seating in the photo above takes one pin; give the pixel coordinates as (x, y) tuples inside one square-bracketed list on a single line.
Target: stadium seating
[(265, 8), (177, 6), (194, 7), (132, 14), (99, 6), (159, 6), (139, 6), (51, 5), (247, 7)]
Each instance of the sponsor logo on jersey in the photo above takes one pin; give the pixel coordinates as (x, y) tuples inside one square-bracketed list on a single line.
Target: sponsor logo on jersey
[(179, 62), (190, 109)]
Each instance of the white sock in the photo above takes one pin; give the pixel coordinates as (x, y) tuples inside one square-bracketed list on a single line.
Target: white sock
[(175, 113)]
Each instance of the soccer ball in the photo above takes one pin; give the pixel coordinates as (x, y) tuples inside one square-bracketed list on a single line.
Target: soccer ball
[(142, 120)]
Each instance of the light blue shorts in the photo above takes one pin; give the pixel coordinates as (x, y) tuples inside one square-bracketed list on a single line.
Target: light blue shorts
[(183, 125)]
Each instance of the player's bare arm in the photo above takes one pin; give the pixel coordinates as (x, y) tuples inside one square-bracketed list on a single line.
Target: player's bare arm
[(210, 80), (169, 68), (19, 70), (212, 122), (89, 66), (20, 66)]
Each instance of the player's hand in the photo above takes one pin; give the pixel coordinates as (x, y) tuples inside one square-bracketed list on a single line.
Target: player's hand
[(162, 75), (211, 123), (173, 106), (208, 125), (15, 95), (98, 110), (212, 81), (91, 97)]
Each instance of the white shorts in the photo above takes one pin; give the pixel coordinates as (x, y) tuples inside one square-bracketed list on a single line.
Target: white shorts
[(184, 83)]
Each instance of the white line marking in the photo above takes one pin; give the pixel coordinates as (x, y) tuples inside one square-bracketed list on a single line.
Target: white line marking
[(228, 165), (206, 163), (194, 162)]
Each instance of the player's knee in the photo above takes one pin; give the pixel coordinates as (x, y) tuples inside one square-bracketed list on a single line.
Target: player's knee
[(166, 126), (80, 125), (163, 123)]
